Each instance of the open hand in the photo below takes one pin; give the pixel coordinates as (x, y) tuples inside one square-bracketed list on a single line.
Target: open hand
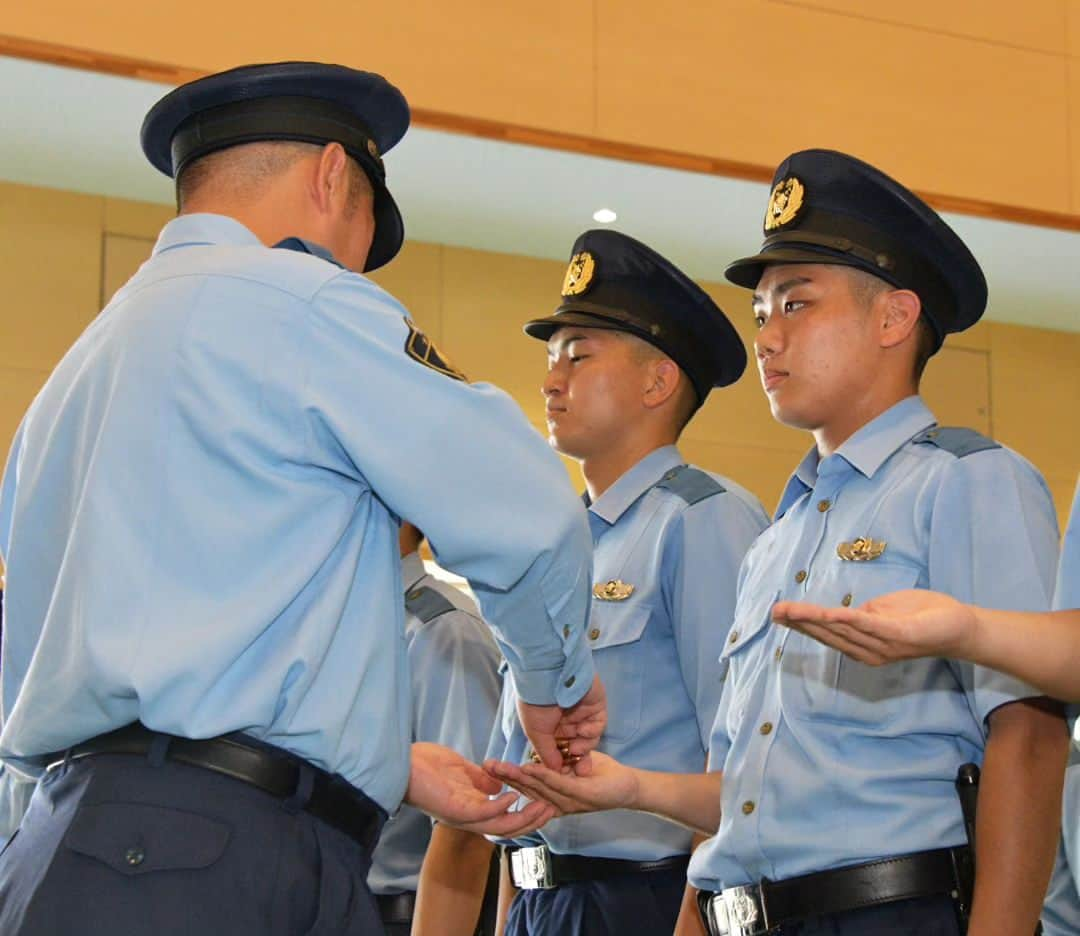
[(566, 736), (898, 626), (609, 785), (458, 792)]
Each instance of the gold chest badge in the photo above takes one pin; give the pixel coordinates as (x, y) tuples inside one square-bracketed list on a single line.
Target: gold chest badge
[(615, 590), (579, 274), (863, 549), (784, 203)]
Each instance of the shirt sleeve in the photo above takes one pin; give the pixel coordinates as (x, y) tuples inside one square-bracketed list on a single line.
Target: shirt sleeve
[(993, 542), (462, 463), (1061, 912), (1067, 593), (15, 793), (453, 666), (700, 572)]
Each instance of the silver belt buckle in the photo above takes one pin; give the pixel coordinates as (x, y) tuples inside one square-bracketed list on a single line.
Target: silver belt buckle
[(739, 912), (531, 868)]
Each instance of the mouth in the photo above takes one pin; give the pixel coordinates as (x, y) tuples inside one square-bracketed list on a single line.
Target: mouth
[(553, 413), (771, 379)]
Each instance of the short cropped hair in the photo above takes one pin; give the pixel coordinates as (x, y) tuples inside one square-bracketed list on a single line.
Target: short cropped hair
[(865, 287)]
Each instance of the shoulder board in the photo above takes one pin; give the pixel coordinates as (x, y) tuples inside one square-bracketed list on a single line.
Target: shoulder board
[(691, 484), (309, 247), (427, 604), (956, 440)]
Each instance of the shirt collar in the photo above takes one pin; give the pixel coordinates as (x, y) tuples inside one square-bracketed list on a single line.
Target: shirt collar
[(866, 451), (412, 570), (190, 229), (615, 501)]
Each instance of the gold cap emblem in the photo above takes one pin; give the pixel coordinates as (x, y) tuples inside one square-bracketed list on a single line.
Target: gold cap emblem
[(615, 590), (861, 550), (784, 203), (579, 274), (373, 148)]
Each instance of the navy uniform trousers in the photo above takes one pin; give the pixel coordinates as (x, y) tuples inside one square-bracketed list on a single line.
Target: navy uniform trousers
[(627, 903), (114, 845)]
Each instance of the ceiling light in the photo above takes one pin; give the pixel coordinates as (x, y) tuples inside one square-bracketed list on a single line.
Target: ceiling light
[(604, 216)]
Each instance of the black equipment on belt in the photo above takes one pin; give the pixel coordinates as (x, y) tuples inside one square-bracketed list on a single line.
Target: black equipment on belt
[(760, 908), (396, 908), (540, 868), (333, 799)]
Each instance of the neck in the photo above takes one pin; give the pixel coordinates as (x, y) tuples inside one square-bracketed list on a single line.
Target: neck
[(830, 436), (604, 469)]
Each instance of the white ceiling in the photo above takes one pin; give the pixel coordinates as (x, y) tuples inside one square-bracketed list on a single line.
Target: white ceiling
[(75, 130)]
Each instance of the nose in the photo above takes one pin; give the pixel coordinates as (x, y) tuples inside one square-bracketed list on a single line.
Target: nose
[(768, 339), (554, 382)]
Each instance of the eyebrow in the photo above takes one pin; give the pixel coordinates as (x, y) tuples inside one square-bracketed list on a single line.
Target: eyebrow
[(783, 288), (568, 340)]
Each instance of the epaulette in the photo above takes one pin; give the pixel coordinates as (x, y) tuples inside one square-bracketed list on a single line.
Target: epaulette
[(691, 484), (427, 604), (956, 439)]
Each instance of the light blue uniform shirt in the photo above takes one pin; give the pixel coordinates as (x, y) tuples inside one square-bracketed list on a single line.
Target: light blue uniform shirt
[(828, 762), (1061, 915), (677, 535), (454, 675), (199, 516)]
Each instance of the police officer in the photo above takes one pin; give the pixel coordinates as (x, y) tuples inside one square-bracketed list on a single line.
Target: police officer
[(204, 654), (833, 799), (454, 680), (634, 348)]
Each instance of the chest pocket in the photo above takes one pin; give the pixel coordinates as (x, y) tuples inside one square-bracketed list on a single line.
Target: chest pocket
[(616, 632), (747, 651)]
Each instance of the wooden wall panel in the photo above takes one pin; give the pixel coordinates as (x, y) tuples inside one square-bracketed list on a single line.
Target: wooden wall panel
[(123, 255), (414, 278), (956, 387), (1073, 78), (136, 219), (18, 387), (1072, 17), (755, 80), (1040, 25)]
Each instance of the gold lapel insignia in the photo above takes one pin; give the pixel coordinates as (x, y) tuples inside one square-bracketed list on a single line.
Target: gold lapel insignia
[(784, 203), (615, 590), (861, 550), (579, 274)]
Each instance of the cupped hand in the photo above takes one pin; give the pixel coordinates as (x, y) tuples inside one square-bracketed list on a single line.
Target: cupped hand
[(609, 785)]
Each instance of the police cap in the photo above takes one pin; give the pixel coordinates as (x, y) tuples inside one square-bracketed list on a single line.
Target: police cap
[(827, 207), (307, 102), (616, 282)]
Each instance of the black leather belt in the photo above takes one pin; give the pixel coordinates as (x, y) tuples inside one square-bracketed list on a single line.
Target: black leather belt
[(396, 908), (540, 868), (762, 908), (333, 799)]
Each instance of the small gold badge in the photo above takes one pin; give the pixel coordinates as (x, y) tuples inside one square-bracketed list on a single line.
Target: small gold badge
[(784, 203), (579, 274), (615, 590), (861, 550)]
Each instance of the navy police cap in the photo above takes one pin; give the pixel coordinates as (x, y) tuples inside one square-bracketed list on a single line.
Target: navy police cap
[(616, 282), (827, 207), (309, 102)]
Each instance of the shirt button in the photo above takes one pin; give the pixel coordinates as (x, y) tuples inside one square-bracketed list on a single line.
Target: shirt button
[(594, 633), (800, 576), (734, 637), (748, 807), (779, 653), (134, 856), (566, 631), (413, 595), (766, 728), (846, 600), (823, 505), (570, 682)]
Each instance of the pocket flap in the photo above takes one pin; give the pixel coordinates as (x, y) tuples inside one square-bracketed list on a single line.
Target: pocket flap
[(753, 613), (612, 625), (135, 838)]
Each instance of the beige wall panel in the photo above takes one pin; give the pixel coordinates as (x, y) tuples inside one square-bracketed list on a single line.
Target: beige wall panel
[(976, 338), (486, 299), (1035, 387), (1072, 13), (51, 269), (525, 63), (1072, 66), (956, 387), (943, 114), (17, 389), (123, 256), (414, 278), (1039, 24), (1063, 490), (135, 218), (761, 471)]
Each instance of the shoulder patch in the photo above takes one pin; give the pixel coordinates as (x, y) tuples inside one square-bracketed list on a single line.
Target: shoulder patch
[(691, 484), (303, 246), (420, 348), (956, 440), (427, 604)]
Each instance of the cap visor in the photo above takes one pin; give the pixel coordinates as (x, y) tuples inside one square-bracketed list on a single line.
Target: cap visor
[(747, 271), (389, 230)]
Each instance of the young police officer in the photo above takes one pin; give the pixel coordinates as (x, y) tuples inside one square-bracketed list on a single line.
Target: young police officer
[(633, 350), (833, 802)]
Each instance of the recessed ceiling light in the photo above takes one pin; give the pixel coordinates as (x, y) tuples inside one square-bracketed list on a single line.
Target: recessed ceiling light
[(604, 216)]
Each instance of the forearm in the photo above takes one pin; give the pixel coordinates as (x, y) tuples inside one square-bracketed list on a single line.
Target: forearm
[(452, 882), (1041, 649), (1019, 814), (507, 893), (692, 800)]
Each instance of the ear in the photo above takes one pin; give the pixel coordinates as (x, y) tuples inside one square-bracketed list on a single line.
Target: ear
[(900, 315), (663, 378), (330, 181)]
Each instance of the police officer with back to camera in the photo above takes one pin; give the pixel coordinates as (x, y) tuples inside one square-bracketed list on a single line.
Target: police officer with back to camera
[(634, 349), (833, 801), (203, 658)]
